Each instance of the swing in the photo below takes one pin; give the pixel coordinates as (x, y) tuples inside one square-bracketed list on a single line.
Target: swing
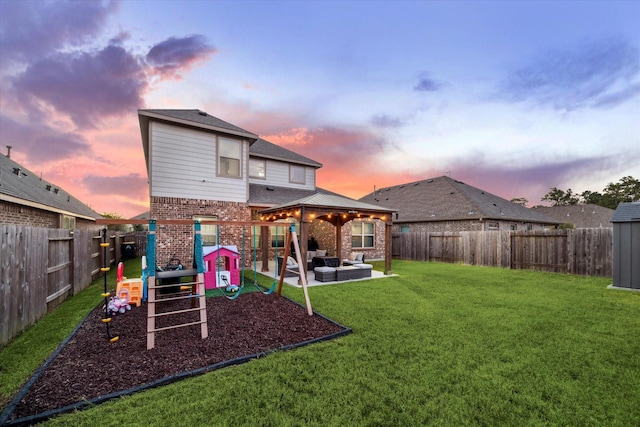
[(229, 291), (255, 267)]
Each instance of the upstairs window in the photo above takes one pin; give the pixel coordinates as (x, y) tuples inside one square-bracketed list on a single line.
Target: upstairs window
[(257, 168), (362, 234), (296, 174), (229, 157)]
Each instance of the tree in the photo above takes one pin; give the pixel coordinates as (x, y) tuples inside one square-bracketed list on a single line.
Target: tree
[(113, 215), (520, 201), (626, 190), (559, 197)]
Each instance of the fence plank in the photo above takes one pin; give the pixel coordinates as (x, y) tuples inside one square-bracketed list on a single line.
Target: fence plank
[(38, 265)]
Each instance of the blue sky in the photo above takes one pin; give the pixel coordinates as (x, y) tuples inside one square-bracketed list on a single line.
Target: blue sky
[(512, 97)]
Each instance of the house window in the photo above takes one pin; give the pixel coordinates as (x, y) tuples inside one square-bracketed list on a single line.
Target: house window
[(68, 222), (362, 234), (229, 157), (257, 168), (209, 232), (255, 237), (404, 229), (529, 227), (279, 234), (513, 227), (296, 174), (493, 226)]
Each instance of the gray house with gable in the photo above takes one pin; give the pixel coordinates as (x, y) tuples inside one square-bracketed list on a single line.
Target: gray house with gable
[(446, 204)]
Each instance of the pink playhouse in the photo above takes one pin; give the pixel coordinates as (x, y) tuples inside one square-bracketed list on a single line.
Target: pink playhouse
[(221, 263)]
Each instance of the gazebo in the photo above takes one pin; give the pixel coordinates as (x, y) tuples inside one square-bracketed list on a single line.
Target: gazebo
[(335, 209)]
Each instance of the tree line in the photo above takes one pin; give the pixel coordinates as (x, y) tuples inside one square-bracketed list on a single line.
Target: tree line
[(624, 191)]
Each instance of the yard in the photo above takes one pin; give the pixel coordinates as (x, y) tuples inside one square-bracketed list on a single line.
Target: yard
[(441, 344)]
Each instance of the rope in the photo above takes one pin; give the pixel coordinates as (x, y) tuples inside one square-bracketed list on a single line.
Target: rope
[(107, 317)]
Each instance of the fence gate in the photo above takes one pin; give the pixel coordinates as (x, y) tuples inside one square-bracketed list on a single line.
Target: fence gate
[(540, 251), (60, 266)]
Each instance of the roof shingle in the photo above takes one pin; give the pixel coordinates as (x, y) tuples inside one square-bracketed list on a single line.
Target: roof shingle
[(18, 182), (444, 199)]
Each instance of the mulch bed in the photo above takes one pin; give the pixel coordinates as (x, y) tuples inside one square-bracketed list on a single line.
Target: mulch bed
[(89, 366)]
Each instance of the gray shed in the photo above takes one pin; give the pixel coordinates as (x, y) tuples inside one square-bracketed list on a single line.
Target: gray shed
[(626, 246)]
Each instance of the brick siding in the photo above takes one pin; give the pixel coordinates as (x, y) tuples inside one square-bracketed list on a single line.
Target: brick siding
[(177, 240)]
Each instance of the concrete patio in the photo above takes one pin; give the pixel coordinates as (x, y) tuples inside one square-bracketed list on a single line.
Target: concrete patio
[(311, 281)]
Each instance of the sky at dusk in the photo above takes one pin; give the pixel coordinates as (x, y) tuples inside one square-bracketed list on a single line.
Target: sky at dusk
[(511, 97)]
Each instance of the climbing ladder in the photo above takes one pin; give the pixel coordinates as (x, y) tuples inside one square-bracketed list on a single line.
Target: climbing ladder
[(197, 292), (302, 274)]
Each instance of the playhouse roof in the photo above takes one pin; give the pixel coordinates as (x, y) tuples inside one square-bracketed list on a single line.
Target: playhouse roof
[(206, 250)]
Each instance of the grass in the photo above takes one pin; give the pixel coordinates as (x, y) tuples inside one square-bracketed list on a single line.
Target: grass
[(441, 344)]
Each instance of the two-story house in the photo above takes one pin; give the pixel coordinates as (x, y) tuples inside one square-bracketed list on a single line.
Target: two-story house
[(201, 167)]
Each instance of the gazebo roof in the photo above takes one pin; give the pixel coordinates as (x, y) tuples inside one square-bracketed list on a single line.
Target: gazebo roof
[(331, 207)]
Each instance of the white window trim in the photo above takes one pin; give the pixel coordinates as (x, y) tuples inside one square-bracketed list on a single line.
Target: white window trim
[(291, 174), (264, 168), (219, 158), (205, 227), (363, 235)]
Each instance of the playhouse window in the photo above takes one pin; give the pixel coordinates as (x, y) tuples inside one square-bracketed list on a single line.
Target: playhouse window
[(362, 234), (229, 157)]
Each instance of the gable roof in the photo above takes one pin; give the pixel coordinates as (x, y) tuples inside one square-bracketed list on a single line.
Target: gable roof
[(445, 199), (581, 216), (21, 186), (188, 118), (196, 118), (267, 150), (627, 212)]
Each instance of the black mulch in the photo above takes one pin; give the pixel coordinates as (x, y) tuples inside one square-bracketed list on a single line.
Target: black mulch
[(90, 366)]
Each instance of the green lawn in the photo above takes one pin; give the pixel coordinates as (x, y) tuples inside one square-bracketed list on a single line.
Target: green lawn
[(441, 344)]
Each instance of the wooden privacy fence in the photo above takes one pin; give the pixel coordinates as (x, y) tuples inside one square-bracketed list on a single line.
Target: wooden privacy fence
[(584, 251), (41, 267)]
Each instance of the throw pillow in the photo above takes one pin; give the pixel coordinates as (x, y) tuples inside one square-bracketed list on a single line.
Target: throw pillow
[(321, 252), (352, 257), (291, 262), (310, 255)]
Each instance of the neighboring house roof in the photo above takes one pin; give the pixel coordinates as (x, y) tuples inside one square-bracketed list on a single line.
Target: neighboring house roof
[(446, 199), (269, 195), (627, 212), (265, 149), (581, 216), (21, 186)]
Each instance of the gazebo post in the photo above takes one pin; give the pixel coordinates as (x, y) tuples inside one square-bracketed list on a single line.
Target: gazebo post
[(387, 248), (304, 237), (339, 239)]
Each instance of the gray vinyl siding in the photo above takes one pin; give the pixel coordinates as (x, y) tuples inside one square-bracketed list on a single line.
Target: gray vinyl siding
[(278, 176), (184, 162)]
